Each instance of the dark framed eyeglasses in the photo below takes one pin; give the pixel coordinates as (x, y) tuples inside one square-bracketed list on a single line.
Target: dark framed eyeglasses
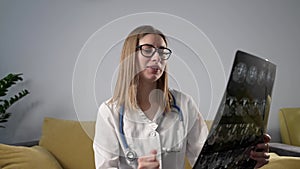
[(149, 50)]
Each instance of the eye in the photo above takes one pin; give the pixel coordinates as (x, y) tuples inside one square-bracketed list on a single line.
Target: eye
[(147, 50), (163, 51)]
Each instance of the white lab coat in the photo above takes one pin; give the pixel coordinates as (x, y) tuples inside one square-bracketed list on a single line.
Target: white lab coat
[(173, 139)]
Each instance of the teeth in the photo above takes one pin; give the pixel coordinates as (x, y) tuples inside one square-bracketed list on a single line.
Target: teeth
[(153, 67)]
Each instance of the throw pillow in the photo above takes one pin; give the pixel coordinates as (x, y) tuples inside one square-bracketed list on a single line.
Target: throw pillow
[(71, 142), (19, 157)]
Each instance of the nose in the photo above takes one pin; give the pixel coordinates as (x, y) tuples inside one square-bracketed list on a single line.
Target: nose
[(156, 57)]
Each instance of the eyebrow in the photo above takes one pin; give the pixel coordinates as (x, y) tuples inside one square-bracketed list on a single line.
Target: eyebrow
[(153, 45)]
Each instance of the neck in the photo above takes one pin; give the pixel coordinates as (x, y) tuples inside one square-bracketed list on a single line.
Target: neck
[(143, 91), (146, 99)]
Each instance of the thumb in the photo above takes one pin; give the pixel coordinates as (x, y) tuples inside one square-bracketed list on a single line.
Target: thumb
[(267, 138), (154, 152)]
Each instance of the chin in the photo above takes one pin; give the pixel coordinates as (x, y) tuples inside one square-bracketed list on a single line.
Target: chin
[(152, 78)]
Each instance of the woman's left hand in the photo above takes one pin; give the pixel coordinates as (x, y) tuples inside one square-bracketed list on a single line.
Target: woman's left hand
[(262, 156)]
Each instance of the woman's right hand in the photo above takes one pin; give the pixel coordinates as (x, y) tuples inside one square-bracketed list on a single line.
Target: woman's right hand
[(149, 162)]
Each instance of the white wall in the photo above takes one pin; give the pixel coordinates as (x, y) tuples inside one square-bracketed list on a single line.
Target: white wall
[(43, 40)]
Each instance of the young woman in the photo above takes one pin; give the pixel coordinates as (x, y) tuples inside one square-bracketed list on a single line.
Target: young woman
[(145, 124)]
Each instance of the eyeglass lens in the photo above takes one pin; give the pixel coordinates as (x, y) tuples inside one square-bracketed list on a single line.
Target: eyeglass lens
[(149, 50)]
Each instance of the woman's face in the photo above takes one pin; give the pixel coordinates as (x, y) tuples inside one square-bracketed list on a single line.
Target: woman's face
[(151, 68)]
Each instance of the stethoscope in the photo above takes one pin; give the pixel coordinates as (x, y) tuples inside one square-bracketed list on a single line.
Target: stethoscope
[(131, 155)]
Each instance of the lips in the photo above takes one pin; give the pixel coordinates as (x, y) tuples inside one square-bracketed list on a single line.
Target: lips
[(153, 69)]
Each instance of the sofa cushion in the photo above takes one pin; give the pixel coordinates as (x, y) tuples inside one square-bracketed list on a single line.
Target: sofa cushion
[(71, 142), (282, 162), (19, 157)]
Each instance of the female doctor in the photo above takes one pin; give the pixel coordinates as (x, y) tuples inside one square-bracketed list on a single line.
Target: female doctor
[(145, 124)]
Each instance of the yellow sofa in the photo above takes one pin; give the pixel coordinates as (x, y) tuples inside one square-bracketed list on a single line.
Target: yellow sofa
[(289, 120), (67, 144)]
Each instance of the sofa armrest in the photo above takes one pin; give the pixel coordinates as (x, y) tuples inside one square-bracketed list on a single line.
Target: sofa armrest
[(26, 144), (285, 149)]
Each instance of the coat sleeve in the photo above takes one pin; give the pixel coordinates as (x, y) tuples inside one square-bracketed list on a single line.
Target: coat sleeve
[(197, 133), (106, 144)]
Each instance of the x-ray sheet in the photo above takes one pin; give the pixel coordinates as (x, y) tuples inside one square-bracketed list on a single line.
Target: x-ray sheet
[(242, 117)]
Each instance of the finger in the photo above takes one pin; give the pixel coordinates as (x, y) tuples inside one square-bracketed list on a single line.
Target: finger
[(256, 154), (148, 162), (152, 156), (260, 161), (149, 158), (267, 138), (259, 155), (263, 147), (148, 165), (260, 158), (153, 152)]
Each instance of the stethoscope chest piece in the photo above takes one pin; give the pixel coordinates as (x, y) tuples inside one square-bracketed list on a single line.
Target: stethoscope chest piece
[(131, 156)]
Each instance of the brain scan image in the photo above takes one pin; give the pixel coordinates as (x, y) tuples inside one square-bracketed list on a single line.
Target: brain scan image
[(261, 77), (239, 73), (251, 75)]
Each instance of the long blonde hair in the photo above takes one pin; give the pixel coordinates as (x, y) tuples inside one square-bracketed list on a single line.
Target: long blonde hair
[(125, 93)]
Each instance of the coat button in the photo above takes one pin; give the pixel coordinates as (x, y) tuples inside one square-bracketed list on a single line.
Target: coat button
[(153, 133)]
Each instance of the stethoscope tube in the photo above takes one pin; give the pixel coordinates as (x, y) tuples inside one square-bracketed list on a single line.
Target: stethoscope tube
[(130, 155), (177, 108), (121, 128)]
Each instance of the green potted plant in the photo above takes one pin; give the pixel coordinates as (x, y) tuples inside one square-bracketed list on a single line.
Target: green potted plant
[(5, 83)]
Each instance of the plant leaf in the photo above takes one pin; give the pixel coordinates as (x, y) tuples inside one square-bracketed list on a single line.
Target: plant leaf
[(5, 83), (3, 121)]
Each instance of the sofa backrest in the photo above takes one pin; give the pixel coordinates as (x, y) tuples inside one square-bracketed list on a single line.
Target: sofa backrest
[(289, 119)]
